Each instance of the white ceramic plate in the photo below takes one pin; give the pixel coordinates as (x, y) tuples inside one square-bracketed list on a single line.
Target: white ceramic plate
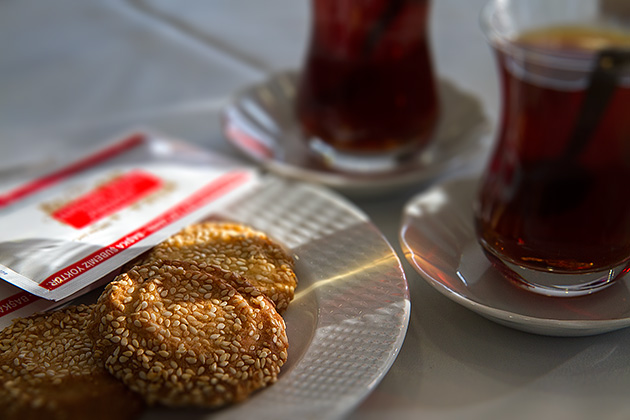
[(438, 239), (260, 122), (350, 313), (351, 309)]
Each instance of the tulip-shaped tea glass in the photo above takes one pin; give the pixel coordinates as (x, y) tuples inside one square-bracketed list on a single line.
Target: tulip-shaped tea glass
[(553, 212), (367, 97)]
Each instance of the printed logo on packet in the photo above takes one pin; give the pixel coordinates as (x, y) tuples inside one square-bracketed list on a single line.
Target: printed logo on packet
[(107, 199)]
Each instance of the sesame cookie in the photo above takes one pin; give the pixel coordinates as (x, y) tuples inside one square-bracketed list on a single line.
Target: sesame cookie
[(184, 334), (234, 247), (49, 370)]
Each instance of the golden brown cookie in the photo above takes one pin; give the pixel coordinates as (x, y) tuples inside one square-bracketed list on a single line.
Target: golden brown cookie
[(184, 334), (49, 371), (234, 247)]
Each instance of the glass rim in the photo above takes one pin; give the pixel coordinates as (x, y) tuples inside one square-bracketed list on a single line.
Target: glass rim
[(575, 61)]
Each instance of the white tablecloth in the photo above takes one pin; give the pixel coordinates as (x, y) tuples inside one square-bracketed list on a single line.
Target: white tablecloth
[(73, 71)]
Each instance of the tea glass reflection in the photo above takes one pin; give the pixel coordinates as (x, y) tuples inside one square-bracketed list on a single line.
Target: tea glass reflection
[(553, 211), (367, 98)]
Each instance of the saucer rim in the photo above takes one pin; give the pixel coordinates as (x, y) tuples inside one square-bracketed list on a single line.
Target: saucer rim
[(360, 183), (516, 320)]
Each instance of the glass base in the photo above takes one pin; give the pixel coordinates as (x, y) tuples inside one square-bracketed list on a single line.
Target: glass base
[(552, 283), (359, 163)]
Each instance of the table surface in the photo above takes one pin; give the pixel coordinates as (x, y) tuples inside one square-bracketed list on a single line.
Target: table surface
[(73, 71)]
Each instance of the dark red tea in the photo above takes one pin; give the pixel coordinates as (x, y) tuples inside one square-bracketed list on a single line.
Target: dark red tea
[(367, 84), (537, 209)]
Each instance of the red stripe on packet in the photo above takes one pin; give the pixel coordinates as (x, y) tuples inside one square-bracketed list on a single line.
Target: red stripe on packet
[(15, 302), (54, 177), (213, 190), (107, 199)]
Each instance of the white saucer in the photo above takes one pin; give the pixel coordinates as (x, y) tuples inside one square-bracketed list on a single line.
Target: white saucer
[(260, 122), (438, 239)]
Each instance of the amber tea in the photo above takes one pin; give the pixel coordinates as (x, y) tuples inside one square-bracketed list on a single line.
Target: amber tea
[(555, 194), (367, 85)]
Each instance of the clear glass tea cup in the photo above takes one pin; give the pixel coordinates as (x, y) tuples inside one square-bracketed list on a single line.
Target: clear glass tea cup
[(367, 97), (553, 211)]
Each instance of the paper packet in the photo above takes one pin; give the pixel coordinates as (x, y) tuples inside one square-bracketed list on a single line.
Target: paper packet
[(62, 233)]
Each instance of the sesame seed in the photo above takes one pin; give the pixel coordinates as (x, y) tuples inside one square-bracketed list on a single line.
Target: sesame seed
[(53, 349)]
